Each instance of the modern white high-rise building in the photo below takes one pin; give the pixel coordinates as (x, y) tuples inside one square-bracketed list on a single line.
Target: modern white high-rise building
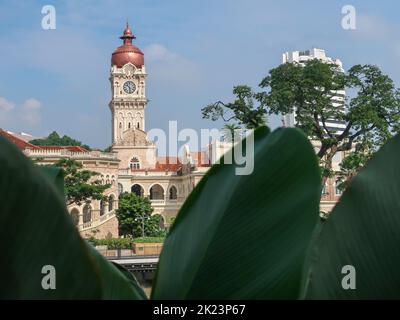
[(301, 57)]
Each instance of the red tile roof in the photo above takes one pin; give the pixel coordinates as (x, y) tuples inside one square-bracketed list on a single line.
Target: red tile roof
[(69, 148), (200, 159), (168, 163), (17, 141), (163, 164), (26, 145)]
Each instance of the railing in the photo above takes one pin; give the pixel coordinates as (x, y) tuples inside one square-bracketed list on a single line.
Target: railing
[(87, 225), (150, 172), (69, 154), (157, 201), (121, 253), (97, 222)]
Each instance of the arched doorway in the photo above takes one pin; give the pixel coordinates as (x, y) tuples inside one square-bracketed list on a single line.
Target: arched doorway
[(156, 192), (87, 213), (110, 203), (75, 216), (173, 193), (138, 190), (102, 207)]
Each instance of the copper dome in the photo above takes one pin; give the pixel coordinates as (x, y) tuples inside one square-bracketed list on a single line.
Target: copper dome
[(127, 52)]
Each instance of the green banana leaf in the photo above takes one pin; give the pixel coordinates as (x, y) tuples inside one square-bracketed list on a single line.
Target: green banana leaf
[(363, 232), (36, 231), (245, 237), (55, 176)]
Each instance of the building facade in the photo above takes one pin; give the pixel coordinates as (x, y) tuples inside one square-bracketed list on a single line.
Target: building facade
[(133, 165)]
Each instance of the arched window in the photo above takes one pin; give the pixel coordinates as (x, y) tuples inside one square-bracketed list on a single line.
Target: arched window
[(102, 207), (135, 164), (138, 125), (75, 216), (138, 190), (129, 125), (173, 193), (87, 213), (120, 125), (120, 188), (110, 203), (156, 192), (324, 190)]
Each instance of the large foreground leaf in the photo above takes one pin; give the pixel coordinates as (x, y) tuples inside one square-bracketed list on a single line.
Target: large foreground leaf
[(245, 237), (363, 231), (36, 231), (55, 176)]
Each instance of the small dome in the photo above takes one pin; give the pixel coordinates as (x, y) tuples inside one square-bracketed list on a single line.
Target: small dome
[(127, 52)]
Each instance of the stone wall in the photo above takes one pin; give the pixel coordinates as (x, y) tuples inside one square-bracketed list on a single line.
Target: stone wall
[(108, 229)]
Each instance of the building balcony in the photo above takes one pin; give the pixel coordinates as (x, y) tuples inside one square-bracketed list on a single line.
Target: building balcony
[(61, 153), (145, 173)]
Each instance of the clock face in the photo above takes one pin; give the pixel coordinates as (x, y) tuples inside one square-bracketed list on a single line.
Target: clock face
[(129, 87)]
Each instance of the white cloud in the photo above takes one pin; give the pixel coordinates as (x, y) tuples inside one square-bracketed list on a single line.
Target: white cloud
[(6, 105), (25, 116), (32, 104), (157, 52), (373, 26)]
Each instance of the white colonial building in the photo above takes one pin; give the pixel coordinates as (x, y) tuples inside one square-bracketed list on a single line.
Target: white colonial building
[(132, 165)]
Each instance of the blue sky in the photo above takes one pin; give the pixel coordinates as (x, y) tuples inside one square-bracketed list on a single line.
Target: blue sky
[(195, 52)]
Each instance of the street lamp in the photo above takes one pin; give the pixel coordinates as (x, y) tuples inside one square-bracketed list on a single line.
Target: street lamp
[(142, 218)]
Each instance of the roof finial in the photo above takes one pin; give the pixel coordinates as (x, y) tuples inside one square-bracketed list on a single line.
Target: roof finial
[(128, 35)]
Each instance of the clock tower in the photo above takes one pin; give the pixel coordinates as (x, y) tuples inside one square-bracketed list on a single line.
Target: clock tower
[(128, 95)]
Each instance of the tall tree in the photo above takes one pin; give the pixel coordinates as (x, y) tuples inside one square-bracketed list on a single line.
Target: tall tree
[(134, 217), (242, 109), (371, 114), (231, 132), (80, 185), (54, 139)]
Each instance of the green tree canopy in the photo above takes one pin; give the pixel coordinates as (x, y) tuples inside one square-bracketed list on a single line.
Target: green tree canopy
[(134, 211), (242, 109), (80, 185), (54, 139), (371, 114)]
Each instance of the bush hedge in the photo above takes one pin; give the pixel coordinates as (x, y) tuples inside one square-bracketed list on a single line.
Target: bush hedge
[(124, 243)]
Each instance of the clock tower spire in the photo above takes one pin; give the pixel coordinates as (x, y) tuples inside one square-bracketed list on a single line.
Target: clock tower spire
[(128, 95)]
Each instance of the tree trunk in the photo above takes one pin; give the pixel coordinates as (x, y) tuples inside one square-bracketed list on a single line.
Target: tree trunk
[(328, 162)]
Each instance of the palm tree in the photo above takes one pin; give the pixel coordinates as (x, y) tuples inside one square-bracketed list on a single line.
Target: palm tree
[(230, 132)]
